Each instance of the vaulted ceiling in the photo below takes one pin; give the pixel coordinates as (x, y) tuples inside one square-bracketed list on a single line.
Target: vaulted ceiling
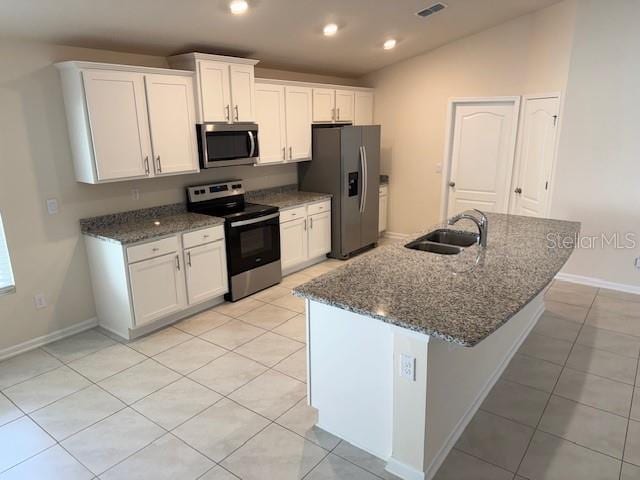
[(281, 33)]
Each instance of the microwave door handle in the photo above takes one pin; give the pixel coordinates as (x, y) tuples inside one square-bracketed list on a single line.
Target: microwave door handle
[(252, 140)]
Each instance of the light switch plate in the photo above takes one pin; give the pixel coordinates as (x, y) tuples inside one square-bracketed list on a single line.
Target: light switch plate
[(40, 301), (408, 367), (52, 206)]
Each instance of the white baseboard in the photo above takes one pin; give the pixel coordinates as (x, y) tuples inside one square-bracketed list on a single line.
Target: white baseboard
[(395, 235), (596, 282), (48, 338), (403, 470), (440, 457)]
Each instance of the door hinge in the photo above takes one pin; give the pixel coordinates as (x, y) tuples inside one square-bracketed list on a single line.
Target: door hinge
[(555, 120)]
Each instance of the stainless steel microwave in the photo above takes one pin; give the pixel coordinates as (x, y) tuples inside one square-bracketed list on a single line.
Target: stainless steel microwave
[(221, 145)]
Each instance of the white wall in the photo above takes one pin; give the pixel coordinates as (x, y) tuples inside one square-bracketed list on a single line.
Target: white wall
[(35, 164), (529, 54), (598, 171)]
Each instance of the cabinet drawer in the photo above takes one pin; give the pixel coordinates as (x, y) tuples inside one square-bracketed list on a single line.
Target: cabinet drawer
[(200, 237), (293, 214), (152, 249), (319, 207)]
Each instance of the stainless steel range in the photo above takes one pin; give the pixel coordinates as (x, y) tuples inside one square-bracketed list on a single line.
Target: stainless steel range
[(252, 234)]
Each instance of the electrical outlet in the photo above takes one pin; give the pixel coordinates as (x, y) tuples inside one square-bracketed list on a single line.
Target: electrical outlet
[(40, 301), (135, 194), (52, 206), (408, 367), (637, 263)]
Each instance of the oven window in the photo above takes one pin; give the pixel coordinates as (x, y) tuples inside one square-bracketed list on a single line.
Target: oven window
[(227, 145), (255, 242)]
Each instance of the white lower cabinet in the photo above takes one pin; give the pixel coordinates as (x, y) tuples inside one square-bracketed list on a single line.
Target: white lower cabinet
[(305, 235), (157, 288), (206, 270), (140, 287), (293, 242), (383, 208)]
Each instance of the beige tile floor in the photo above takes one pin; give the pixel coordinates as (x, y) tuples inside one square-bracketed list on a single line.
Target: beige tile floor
[(222, 396)]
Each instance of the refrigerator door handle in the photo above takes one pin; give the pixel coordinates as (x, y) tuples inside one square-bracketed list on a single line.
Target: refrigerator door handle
[(363, 179)]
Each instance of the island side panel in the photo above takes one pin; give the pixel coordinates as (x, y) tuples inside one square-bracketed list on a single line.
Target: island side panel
[(351, 376), (459, 378)]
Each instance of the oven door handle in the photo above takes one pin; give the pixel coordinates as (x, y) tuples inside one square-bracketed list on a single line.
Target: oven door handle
[(255, 220), (252, 140)]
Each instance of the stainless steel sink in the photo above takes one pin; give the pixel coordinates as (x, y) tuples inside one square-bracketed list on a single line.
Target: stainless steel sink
[(444, 241), (451, 237), (433, 247)]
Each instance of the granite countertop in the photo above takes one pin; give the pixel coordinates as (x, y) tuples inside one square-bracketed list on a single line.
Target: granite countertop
[(458, 298), (146, 224), (285, 197)]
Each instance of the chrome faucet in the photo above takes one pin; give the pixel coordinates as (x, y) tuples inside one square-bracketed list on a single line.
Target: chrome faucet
[(482, 223)]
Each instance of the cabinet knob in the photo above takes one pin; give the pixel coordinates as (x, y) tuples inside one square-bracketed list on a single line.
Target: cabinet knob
[(452, 184), (518, 190)]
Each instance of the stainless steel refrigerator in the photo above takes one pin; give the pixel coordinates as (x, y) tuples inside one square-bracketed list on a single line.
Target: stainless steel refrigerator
[(346, 164)]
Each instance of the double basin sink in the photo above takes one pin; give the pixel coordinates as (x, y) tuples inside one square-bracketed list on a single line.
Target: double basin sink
[(444, 241)]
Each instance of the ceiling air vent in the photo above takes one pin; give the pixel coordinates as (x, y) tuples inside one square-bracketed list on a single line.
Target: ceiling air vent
[(431, 10)]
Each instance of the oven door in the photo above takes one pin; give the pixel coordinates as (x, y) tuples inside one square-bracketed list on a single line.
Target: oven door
[(224, 145), (252, 243)]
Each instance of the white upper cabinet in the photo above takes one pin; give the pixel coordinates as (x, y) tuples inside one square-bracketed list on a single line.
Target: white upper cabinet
[(117, 111), (299, 105), (172, 121), (215, 91), (242, 92), (225, 89), (363, 114), (129, 122), (345, 100), (283, 113), (270, 116), (324, 104)]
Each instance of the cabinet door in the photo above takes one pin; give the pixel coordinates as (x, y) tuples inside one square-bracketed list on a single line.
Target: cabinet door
[(319, 234), (270, 115), (157, 287), (117, 116), (363, 108), (382, 213), (299, 103), (345, 102), (242, 93), (206, 272), (172, 120), (324, 103), (215, 95), (293, 242)]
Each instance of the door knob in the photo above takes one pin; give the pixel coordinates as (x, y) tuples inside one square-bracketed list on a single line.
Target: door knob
[(518, 190), (452, 184)]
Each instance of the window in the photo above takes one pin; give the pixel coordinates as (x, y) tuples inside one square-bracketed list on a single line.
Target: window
[(6, 274)]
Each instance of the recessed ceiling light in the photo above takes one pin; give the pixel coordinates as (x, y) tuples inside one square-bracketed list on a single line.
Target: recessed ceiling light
[(330, 30), (389, 44), (238, 7)]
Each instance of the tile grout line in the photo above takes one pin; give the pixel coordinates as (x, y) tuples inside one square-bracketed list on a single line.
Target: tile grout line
[(629, 420)]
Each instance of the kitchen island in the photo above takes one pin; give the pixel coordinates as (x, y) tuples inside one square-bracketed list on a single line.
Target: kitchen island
[(404, 345)]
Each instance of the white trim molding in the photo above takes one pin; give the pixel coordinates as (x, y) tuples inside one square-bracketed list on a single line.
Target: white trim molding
[(597, 282), (395, 235), (48, 338)]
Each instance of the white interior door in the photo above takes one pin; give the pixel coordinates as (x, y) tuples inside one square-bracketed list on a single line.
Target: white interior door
[(299, 106), (324, 103), (215, 94), (242, 93), (345, 104), (172, 120), (206, 272), (536, 154), (117, 110), (482, 152), (157, 287), (270, 115)]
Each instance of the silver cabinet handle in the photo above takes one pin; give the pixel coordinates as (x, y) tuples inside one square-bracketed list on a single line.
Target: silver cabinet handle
[(237, 114), (290, 153), (338, 115), (205, 236), (155, 249), (518, 190), (146, 165), (189, 258), (305, 224), (178, 262), (159, 164), (333, 114), (311, 223), (227, 112), (284, 153), (452, 184)]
